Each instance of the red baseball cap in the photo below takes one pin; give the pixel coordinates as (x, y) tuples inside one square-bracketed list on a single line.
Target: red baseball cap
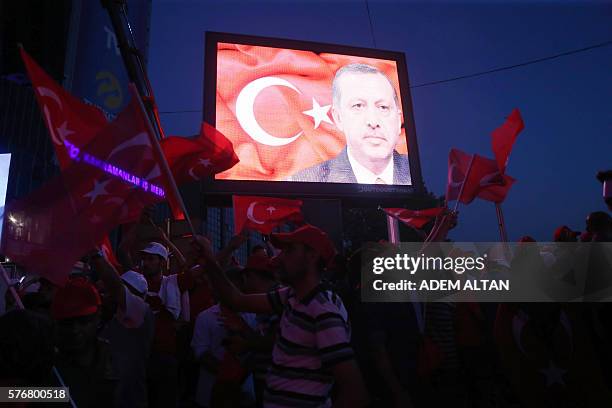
[(308, 235), (78, 298), (564, 234)]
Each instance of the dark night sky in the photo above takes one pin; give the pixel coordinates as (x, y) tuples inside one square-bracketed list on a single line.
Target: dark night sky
[(566, 103)]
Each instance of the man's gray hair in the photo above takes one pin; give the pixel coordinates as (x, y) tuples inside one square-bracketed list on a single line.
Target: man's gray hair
[(358, 69)]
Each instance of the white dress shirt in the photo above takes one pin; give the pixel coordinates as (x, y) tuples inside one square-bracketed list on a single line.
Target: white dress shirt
[(365, 176)]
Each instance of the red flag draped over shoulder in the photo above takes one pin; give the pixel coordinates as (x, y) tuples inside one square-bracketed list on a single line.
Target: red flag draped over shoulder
[(109, 181), (263, 214), (195, 158), (414, 218), (276, 103)]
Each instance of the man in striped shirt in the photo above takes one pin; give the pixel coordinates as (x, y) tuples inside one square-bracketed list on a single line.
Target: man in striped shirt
[(312, 351)]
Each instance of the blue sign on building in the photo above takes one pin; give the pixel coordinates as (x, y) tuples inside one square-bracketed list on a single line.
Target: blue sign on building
[(94, 68)]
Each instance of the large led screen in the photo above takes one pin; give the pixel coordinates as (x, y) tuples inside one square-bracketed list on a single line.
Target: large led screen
[(299, 115)]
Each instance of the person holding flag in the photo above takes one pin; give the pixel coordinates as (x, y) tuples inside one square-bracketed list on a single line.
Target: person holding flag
[(312, 351)]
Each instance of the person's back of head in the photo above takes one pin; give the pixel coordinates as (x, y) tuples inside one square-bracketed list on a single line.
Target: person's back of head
[(599, 224), (27, 348)]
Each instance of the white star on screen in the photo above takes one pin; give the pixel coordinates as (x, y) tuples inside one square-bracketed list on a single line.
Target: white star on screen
[(318, 113)]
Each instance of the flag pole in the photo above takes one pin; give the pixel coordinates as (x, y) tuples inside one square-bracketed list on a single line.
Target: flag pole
[(136, 70), (162, 160), (392, 227), (467, 174), (11, 288), (500, 222)]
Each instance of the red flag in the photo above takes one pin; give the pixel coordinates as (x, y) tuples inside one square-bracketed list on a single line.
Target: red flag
[(67, 117), (192, 159), (414, 218), (503, 138), (107, 248), (484, 180), (458, 164), (496, 189), (264, 213), (70, 121), (276, 103), (108, 183)]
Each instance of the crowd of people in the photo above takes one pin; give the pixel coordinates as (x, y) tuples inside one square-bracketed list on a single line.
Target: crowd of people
[(289, 329)]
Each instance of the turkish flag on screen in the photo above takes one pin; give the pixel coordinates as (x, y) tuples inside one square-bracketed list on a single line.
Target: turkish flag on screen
[(109, 182), (195, 158), (263, 214), (275, 107), (414, 218), (503, 138), (484, 180)]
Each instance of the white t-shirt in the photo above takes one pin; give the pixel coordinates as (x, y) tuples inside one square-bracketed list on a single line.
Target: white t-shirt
[(130, 334), (208, 334)]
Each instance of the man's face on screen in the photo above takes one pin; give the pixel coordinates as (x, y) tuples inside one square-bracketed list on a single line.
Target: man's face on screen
[(368, 116)]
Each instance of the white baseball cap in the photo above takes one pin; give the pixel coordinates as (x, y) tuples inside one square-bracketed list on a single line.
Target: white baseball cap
[(156, 248), (136, 280)]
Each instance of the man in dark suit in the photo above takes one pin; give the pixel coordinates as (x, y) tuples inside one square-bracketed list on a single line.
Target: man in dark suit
[(366, 109)]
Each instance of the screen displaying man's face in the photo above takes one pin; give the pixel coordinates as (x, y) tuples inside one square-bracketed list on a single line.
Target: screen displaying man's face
[(368, 115), (281, 110)]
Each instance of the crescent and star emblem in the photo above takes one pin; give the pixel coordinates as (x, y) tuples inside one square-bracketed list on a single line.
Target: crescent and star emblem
[(59, 135), (250, 210), (245, 112)]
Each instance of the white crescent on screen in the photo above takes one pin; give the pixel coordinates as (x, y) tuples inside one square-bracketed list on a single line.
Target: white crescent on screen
[(250, 213), (50, 94), (246, 115)]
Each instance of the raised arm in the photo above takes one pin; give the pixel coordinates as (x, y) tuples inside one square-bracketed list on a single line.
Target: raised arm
[(225, 291), (110, 277)]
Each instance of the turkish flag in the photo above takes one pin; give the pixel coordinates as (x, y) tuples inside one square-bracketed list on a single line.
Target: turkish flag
[(109, 182), (195, 158), (414, 218), (484, 180), (503, 138), (107, 248), (276, 103), (263, 214), (68, 119), (66, 116)]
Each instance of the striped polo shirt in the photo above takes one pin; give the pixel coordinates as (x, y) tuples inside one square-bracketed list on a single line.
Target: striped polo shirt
[(313, 336)]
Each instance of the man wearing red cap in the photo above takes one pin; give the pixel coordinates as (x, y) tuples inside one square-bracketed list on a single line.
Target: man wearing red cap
[(312, 351)]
